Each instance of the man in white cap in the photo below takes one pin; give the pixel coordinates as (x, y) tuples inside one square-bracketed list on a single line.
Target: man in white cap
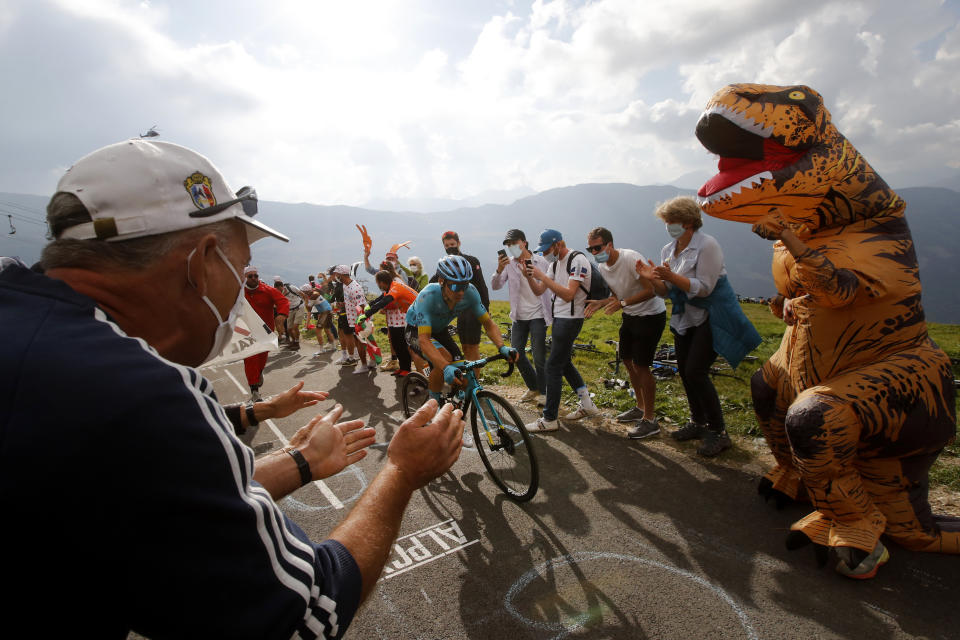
[(128, 502), (353, 297)]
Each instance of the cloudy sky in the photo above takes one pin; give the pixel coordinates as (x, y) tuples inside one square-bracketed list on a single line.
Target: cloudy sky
[(346, 102)]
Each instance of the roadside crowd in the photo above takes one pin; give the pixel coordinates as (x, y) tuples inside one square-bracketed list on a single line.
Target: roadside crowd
[(175, 530), (551, 285)]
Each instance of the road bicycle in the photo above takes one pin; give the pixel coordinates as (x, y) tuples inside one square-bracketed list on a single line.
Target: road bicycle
[(499, 434)]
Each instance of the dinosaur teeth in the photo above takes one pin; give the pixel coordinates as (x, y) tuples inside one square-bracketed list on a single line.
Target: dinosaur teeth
[(734, 189), (739, 119)]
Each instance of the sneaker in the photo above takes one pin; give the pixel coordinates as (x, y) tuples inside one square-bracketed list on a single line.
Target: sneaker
[(644, 429), (541, 400), (633, 415), (400, 373), (867, 567), (349, 362), (362, 369), (529, 394), (340, 360), (582, 412), (390, 365), (714, 442), (689, 431), (543, 426)]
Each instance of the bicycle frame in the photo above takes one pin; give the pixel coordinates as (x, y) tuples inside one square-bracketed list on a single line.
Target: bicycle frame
[(467, 396)]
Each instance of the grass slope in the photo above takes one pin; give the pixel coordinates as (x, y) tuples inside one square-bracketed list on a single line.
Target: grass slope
[(734, 389)]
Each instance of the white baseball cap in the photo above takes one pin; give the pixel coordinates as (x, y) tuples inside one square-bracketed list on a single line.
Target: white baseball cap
[(342, 270), (139, 188)]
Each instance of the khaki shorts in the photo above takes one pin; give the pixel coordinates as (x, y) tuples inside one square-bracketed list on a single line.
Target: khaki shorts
[(295, 317)]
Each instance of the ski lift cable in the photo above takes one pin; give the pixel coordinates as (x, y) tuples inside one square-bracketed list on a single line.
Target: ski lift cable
[(21, 218), (20, 206)]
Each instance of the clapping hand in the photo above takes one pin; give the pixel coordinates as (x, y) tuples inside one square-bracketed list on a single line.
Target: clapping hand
[(330, 447), (663, 272), (646, 269), (293, 399)]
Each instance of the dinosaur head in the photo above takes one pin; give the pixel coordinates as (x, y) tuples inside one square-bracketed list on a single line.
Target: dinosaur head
[(779, 148)]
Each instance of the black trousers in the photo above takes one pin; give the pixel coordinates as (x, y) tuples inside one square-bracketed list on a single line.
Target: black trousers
[(695, 355), (399, 346)]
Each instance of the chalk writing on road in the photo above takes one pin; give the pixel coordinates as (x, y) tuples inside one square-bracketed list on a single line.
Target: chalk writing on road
[(424, 546)]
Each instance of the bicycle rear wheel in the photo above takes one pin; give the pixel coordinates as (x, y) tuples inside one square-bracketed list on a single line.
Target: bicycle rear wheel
[(505, 446), (414, 392)]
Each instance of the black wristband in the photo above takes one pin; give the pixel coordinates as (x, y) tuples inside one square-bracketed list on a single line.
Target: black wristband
[(302, 466), (251, 416)]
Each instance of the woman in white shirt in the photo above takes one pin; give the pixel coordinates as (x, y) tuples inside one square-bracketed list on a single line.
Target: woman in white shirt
[(690, 267)]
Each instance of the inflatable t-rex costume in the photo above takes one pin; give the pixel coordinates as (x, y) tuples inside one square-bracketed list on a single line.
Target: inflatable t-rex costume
[(858, 401)]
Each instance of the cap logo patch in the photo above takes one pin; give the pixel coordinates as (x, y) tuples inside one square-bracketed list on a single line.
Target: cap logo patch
[(200, 190)]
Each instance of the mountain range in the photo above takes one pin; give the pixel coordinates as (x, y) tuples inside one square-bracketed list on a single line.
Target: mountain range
[(323, 235)]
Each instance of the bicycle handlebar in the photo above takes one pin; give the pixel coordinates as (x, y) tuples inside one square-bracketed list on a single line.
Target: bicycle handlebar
[(476, 364)]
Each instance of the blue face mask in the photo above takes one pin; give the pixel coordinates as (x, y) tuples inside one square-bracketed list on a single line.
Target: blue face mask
[(550, 257), (514, 250), (603, 256), (675, 230)]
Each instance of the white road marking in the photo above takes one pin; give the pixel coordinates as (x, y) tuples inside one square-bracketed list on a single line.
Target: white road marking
[(418, 554), (320, 484), (578, 622)]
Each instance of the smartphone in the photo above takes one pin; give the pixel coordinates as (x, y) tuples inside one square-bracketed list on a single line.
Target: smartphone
[(529, 263), (501, 254)]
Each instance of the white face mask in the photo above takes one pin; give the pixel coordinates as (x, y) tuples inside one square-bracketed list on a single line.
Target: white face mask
[(224, 331), (675, 230), (515, 250)]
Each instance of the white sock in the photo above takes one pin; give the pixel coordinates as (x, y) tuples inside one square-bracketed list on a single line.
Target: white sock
[(345, 353), (584, 394)]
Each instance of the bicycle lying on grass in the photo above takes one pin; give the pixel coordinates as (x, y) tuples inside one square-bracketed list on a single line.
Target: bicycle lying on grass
[(498, 432)]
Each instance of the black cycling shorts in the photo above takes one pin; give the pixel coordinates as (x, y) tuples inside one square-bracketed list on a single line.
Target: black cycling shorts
[(344, 324), (468, 328), (412, 336), (639, 336)]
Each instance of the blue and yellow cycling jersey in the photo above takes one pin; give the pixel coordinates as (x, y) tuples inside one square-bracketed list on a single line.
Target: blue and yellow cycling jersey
[(430, 313)]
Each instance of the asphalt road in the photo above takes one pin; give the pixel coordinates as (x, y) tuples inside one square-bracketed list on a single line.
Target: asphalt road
[(624, 539)]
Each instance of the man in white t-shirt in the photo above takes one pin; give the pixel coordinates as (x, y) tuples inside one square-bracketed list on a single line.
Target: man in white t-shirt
[(644, 317), (529, 312), (298, 307), (568, 279)]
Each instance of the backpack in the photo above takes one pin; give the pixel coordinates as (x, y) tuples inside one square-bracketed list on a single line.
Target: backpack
[(598, 286)]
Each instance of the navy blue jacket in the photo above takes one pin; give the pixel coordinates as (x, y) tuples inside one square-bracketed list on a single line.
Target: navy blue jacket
[(127, 501)]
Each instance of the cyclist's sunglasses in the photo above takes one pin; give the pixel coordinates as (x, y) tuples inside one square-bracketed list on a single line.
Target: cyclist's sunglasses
[(246, 197), (457, 287)]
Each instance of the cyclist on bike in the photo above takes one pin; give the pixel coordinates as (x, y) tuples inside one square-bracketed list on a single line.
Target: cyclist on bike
[(439, 303)]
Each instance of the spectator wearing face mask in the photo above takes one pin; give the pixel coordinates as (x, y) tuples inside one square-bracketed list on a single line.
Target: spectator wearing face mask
[(529, 312), (644, 317), (415, 271), (468, 326), (568, 280)]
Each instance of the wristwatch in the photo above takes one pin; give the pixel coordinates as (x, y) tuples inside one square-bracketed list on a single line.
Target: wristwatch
[(623, 303)]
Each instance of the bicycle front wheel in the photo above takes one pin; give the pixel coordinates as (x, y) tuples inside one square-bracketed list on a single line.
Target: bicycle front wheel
[(414, 392), (505, 446)]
